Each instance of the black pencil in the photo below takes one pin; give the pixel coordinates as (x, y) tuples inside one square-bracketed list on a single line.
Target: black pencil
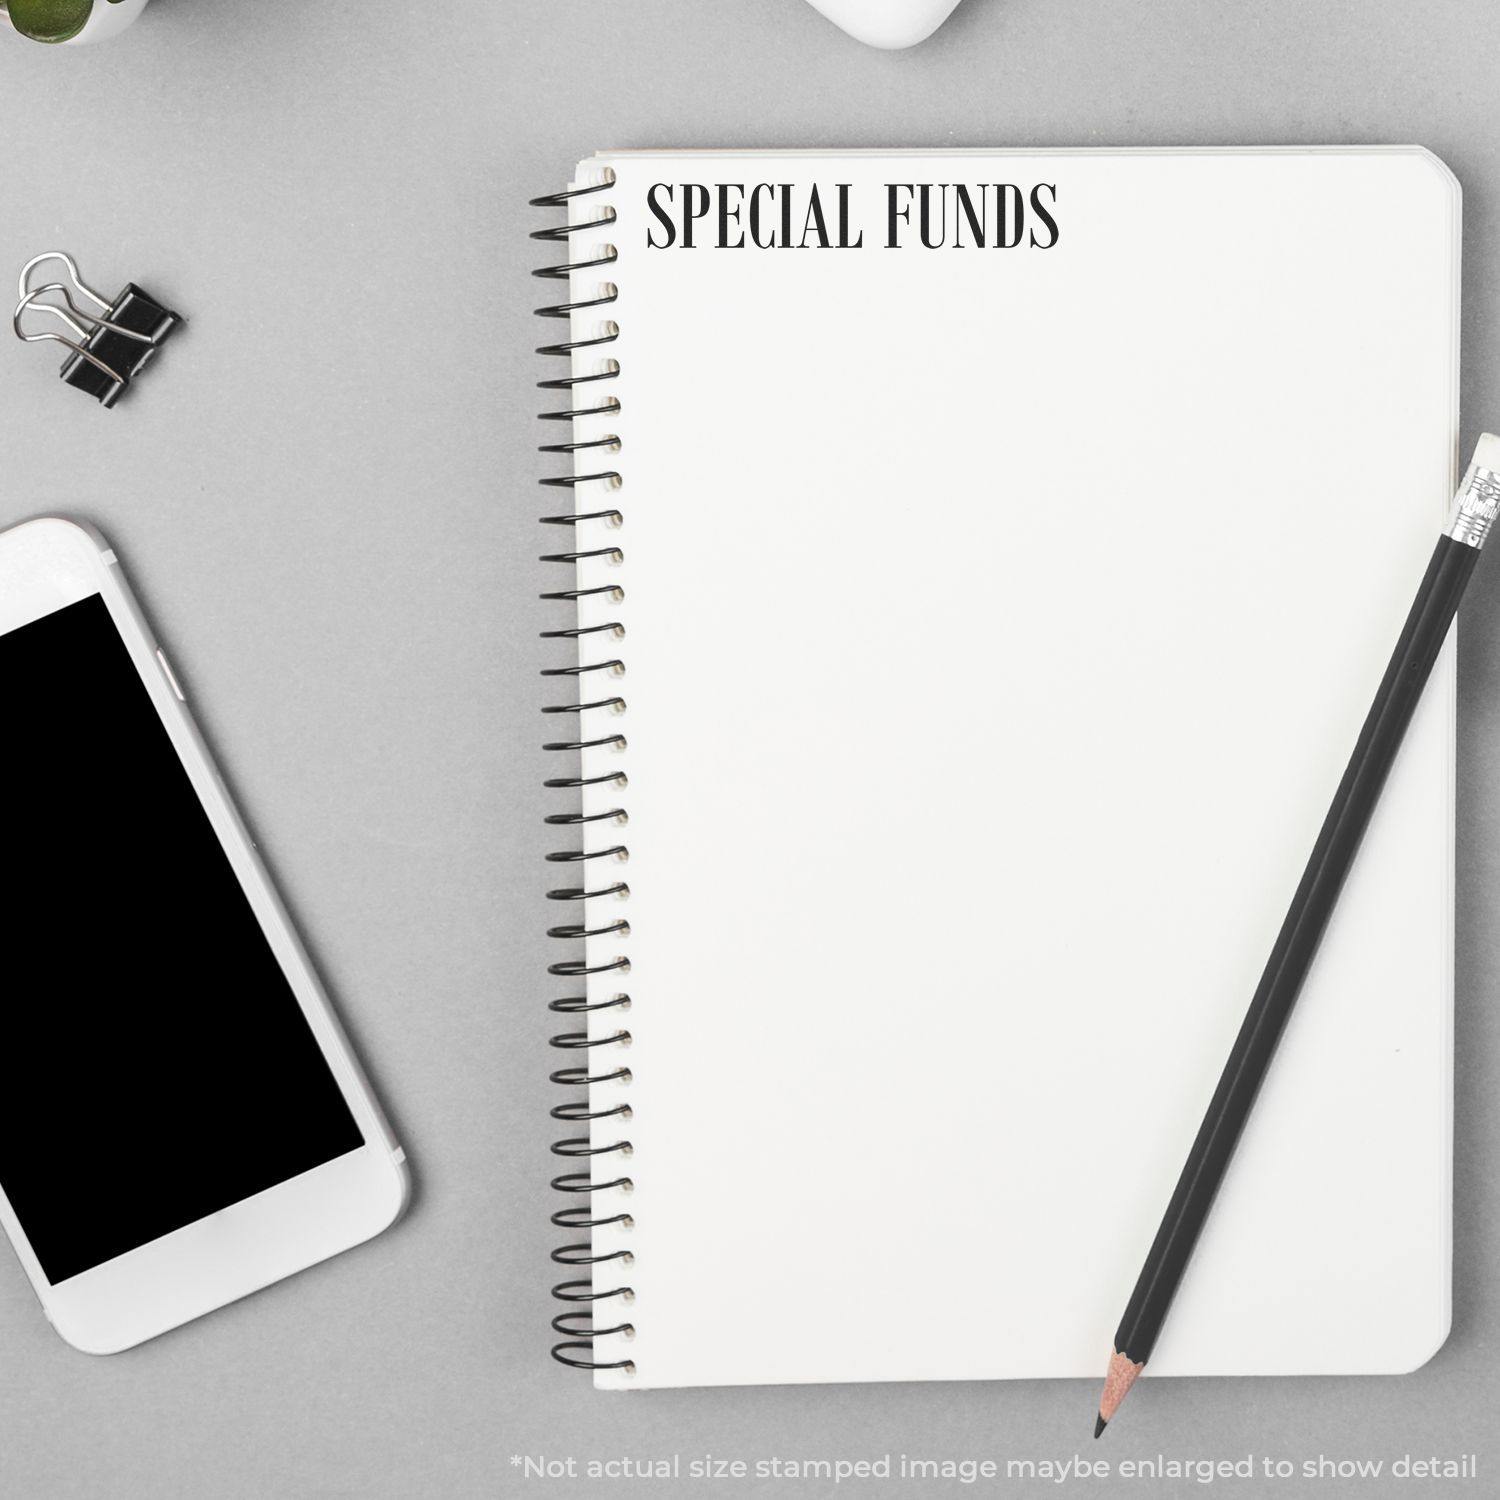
[(1422, 637)]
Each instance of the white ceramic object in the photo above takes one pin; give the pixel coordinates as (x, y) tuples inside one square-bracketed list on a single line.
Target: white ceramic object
[(887, 23), (107, 20)]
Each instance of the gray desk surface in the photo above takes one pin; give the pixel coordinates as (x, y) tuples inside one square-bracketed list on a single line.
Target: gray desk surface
[(325, 494)]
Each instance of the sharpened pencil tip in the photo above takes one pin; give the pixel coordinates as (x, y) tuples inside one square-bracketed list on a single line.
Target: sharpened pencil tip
[(1122, 1375), (1099, 1425)]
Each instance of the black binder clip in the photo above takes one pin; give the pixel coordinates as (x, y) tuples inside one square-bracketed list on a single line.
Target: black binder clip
[(119, 339)]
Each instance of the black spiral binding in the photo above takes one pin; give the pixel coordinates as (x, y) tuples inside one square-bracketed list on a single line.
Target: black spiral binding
[(578, 1326)]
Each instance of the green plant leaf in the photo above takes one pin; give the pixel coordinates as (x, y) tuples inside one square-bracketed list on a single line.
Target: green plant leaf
[(50, 20)]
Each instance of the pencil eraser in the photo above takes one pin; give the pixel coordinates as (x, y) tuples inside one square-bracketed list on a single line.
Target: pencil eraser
[(1487, 451)]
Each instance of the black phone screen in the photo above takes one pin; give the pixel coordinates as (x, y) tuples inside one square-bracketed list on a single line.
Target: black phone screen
[(155, 1065)]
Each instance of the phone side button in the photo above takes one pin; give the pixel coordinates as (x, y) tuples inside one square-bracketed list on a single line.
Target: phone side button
[(167, 672)]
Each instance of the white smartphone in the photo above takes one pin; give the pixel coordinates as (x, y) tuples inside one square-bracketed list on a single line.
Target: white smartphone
[(182, 1121)]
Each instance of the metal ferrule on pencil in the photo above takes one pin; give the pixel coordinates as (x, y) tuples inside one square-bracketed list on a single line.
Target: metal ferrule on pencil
[(1475, 507)]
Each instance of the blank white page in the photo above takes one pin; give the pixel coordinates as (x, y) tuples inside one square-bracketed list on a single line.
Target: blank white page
[(999, 623)]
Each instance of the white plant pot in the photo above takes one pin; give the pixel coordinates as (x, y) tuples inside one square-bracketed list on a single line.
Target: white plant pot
[(888, 23), (105, 20)]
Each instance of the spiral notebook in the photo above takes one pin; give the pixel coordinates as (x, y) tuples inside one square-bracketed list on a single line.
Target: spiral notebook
[(972, 573)]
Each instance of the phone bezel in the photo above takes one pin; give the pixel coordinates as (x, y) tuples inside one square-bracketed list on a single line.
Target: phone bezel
[(46, 565)]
